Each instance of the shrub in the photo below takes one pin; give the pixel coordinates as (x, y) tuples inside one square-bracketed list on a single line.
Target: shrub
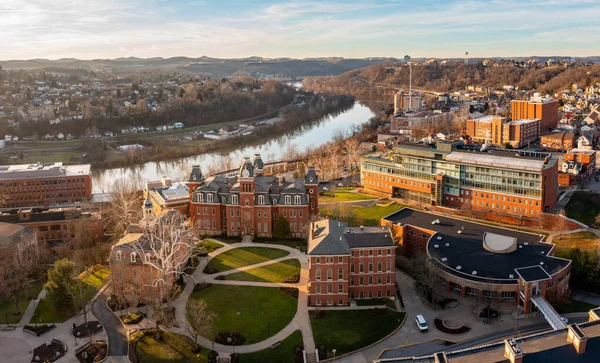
[(230, 338), (318, 314), (213, 357), (39, 329), (209, 270), (201, 286), (291, 291), (132, 318), (221, 277), (377, 311), (292, 279), (234, 358)]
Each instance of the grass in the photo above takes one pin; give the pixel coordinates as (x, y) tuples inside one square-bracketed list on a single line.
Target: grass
[(275, 272), (7, 304), (585, 241), (366, 216), (256, 312), (375, 302), (584, 207), (349, 330), (343, 195), (244, 256), (173, 348), (575, 307), (284, 352), (47, 312), (212, 245)]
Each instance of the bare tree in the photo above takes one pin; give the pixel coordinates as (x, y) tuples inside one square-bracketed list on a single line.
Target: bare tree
[(352, 147), (200, 321), (319, 161), (125, 208), (333, 161), (290, 151)]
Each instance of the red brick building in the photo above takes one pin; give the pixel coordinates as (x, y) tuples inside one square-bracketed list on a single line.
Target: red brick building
[(538, 107), (44, 184), (249, 203), (349, 263)]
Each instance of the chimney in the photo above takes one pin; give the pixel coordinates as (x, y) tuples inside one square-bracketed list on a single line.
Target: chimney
[(513, 351), (576, 336)]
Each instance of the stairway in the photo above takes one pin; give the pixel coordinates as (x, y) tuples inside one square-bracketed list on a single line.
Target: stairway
[(549, 313), (247, 238), (311, 358)]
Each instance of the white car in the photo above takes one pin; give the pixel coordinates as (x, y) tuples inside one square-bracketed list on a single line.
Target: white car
[(421, 323)]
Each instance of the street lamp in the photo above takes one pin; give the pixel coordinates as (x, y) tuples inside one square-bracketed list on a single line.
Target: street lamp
[(334, 351)]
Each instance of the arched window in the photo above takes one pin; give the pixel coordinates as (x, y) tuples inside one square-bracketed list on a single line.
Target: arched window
[(133, 255), (379, 266), (288, 199), (361, 267), (234, 199), (209, 198), (274, 201), (318, 274), (329, 274), (261, 199), (119, 255), (340, 274), (148, 257), (223, 200), (297, 199)]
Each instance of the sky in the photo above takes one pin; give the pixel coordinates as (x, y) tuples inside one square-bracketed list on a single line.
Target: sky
[(91, 29)]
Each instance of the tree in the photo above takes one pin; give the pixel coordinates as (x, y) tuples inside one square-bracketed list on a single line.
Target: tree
[(281, 228), (352, 147), (61, 283), (200, 321), (333, 161), (125, 207)]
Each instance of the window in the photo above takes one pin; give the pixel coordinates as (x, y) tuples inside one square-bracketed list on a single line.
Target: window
[(352, 281), (370, 280), (352, 268), (340, 289), (260, 227), (379, 280), (318, 274), (340, 302), (379, 267), (234, 199), (361, 267), (297, 199), (288, 199), (247, 202), (201, 197), (119, 255), (265, 227), (329, 274), (285, 213), (362, 281), (132, 256), (209, 198), (261, 200), (340, 274), (231, 210), (388, 266), (370, 266), (318, 259), (329, 289), (318, 302), (388, 279), (148, 257), (318, 289)]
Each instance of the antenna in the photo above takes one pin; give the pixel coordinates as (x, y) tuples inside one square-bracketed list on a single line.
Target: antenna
[(466, 57)]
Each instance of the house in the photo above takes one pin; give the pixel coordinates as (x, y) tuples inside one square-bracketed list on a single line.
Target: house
[(60, 136), (178, 125), (347, 263), (584, 142), (132, 147), (109, 134)]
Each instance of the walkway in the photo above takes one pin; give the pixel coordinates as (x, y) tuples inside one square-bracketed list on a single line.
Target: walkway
[(301, 320), (117, 339), (28, 314)]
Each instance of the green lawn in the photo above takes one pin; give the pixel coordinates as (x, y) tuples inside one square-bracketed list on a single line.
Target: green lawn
[(174, 348), (349, 330), (275, 272), (575, 307), (256, 312), (243, 256), (343, 195), (7, 304), (584, 207), (46, 311), (299, 244), (585, 241), (375, 302), (208, 246), (357, 215), (284, 352)]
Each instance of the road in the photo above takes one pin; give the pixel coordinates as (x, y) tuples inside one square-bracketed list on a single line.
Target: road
[(117, 339)]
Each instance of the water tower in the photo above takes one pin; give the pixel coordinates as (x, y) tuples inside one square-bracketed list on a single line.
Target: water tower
[(406, 58), (466, 57)]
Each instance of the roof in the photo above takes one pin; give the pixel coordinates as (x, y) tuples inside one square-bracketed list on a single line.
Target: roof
[(523, 121), (532, 273), (331, 237), (488, 159), (465, 248), (12, 234), (26, 171), (487, 118)]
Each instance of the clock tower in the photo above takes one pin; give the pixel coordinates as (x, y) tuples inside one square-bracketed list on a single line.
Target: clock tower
[(246, 180)]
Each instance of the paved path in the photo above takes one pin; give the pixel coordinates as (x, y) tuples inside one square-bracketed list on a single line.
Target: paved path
[(117, 339), (585, 297), (301, 320), (28, 314)]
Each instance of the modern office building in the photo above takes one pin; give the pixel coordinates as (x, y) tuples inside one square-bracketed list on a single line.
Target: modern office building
[(44, 184), (461, 176), (165, 194), (249, 203), (495, 130), (347, 263), (481, 261), (543, 108)]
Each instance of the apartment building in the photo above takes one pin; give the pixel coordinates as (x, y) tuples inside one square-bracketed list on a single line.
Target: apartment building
[(347, 263), (405, 123), (543, 108), (249, 203), (404, 102), (44, 184), (496, 130), (578, 165), (462, 176), (558, 141)]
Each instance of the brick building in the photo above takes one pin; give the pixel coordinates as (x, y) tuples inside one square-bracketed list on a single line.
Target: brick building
[(347, 263), (543, 108), (55, 225), (19, 243), (481, 261), (466, 177), (558, 141), (249, 203), (578, 165), (44, 184), (133, 256), (495, 130)]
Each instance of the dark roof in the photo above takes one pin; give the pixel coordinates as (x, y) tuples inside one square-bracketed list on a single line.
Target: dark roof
[(366, 240), (257, 162), (331, 237), (466, 248), (532, 273), (195, 174), (311, 177), (13, 234)]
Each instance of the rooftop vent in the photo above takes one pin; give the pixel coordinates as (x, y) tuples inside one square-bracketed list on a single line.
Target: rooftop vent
[(436, 246), (520, 246), (444, 259), (447, 244), (459, 231), (526, 244), (340, 238), (439, 238), (511, 276), (474, 273), (399, 223), (542, 252), (459, 267), (542, 263)]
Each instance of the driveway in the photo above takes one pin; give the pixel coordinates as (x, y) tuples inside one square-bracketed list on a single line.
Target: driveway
[(117, 339)]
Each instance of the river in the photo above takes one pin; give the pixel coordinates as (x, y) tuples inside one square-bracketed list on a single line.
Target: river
[(321, 133)]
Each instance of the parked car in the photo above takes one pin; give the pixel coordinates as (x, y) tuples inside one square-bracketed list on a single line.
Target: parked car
[(421, 323)]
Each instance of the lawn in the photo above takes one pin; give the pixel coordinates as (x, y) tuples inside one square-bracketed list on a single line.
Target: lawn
[(7, 305), (46, 311), (208, 246), (343, 195), (275, 272), (243, 256), (375, 302), (585, 241), (256, 312), (174, 348), (584, 207), (284, 352), (349, 330), (575, 307), (357, 215)]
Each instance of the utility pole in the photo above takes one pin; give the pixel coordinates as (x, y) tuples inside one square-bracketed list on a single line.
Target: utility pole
[(409, 86)]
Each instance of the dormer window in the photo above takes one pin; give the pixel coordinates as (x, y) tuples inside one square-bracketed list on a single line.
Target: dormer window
[(201, 197), (297, 199), (223, 200), (133, 256), (234, 199), (274, 201), (261, 199), (119, 255), (209, 198), (288, 199)]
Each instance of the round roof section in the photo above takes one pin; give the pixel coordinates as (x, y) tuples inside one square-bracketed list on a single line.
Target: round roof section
[(497, 243)]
